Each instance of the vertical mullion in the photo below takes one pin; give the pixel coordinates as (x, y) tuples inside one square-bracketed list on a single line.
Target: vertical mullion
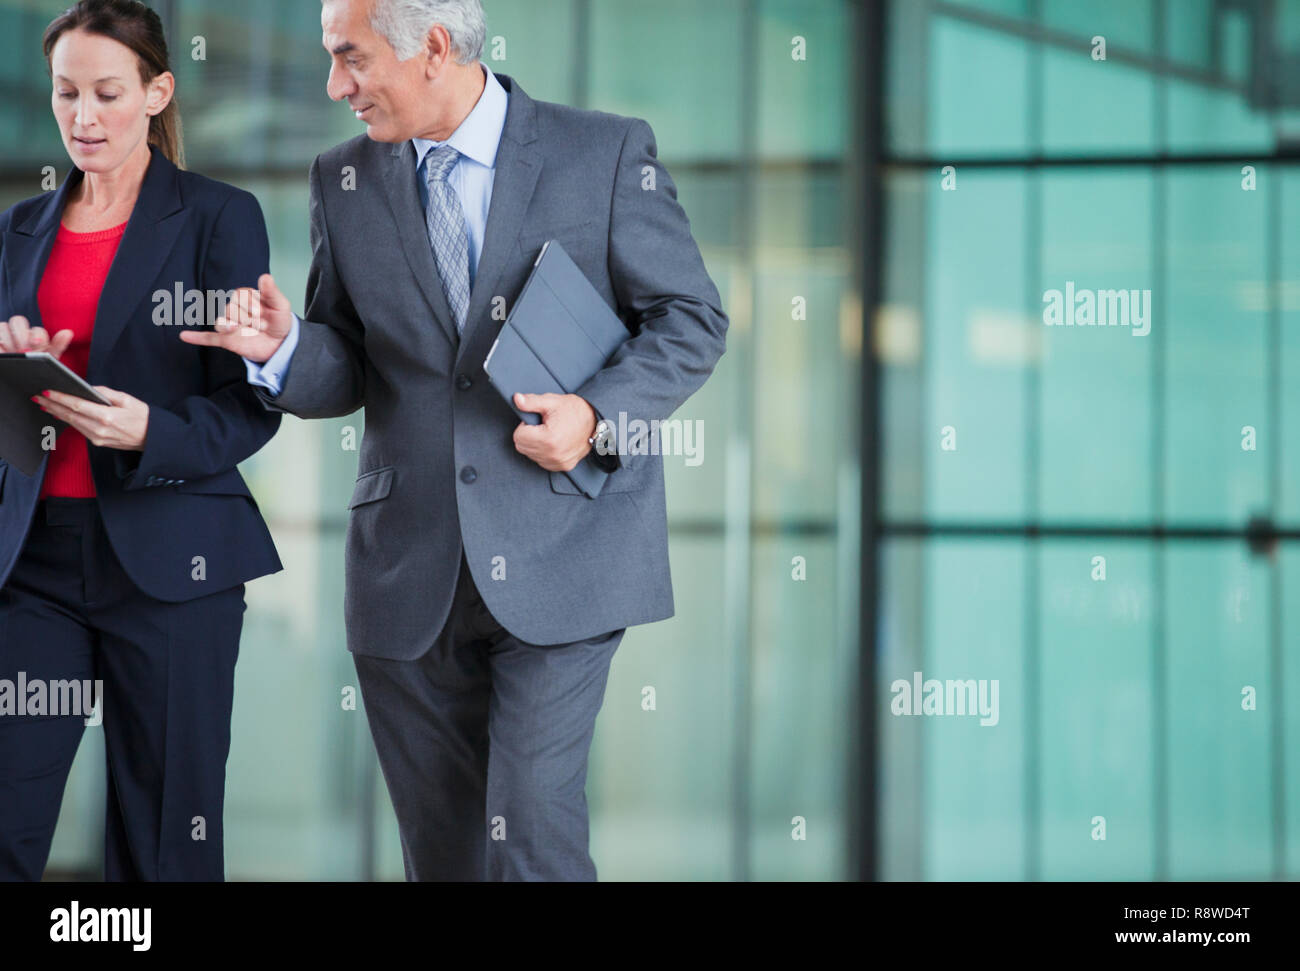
[(1160, 273), (167, 13), (581, 80), (1273, 231), (743, 647), (865, 774), (1033, 388)]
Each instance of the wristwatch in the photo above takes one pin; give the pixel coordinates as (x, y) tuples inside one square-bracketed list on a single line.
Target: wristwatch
[(604, 450)]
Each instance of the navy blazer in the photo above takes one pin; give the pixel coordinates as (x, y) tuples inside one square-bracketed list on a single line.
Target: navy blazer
[(182, 497)]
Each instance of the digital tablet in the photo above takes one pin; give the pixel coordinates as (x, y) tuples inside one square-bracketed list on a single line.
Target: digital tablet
[(22, 422)]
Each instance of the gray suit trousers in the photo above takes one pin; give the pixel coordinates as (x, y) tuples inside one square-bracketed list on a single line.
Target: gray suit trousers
[(483, 742)]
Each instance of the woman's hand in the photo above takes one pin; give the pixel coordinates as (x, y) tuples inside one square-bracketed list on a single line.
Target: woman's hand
[(18, 336), (123, 425)]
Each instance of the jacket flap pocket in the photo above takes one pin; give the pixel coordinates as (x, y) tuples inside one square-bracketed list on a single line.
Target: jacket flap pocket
[(620, 480), (561, 483), (372, 486)]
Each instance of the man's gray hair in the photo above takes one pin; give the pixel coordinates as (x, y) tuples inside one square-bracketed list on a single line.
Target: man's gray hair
[(406, 25)]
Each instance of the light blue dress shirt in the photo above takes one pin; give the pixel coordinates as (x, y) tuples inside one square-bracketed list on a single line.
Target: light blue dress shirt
[(477, 139)]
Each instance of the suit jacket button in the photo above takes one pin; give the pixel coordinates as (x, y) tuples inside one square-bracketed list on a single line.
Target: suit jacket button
[(464, 382), (468, 475)]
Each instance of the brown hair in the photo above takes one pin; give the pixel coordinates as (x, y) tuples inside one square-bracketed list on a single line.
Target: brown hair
[(131, 23)]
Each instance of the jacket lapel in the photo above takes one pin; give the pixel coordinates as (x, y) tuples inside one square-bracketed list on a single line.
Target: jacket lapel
[(27, 251), (408, 212), (151, 234), (512, 190)]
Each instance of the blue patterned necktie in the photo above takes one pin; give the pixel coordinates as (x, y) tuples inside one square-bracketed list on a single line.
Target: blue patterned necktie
[(448, 232)]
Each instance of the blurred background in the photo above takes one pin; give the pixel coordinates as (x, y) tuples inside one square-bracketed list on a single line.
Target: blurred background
[(904, 469)]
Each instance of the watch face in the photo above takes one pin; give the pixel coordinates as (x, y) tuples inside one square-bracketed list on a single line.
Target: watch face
[(604, 437)]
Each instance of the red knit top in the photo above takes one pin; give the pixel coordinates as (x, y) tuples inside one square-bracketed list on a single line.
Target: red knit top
[(68, 299)]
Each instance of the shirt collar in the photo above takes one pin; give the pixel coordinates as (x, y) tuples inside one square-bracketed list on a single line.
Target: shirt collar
[(479, 135)]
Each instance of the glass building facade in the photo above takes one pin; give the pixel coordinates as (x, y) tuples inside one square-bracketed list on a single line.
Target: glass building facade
[(904, 469), (1099, 518)]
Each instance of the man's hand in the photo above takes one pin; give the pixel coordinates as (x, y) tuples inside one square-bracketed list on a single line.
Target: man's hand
[(560, 442), (254, 326), (18, 336), (123, 425)]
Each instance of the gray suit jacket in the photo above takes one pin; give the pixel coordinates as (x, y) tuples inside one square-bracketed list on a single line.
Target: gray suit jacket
[(438, 466)]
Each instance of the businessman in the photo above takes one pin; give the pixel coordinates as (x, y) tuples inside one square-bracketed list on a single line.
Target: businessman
[(486, 595)]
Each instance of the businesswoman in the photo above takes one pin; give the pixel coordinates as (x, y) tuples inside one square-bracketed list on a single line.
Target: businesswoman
[(123, 559)]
